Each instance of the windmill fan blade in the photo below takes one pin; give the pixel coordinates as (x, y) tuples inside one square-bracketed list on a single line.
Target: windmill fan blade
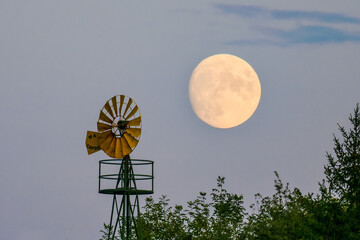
[(106, 144), (131, 140), (134, 122), (118, 149), (104, 118), (135, 132), (122, 97), (103, 136), (114, 103), (111, 151), (103, 127), (108, 109), (125, 146), (127, 106), (132, 112)]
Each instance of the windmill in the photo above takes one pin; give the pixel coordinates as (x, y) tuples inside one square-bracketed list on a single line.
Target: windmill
[(119, 130)]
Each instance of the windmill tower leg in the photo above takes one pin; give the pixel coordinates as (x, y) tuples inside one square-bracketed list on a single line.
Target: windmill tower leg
[(126, 211)]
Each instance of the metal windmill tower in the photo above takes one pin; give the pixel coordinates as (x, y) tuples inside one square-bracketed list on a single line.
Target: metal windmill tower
[(119, 130)]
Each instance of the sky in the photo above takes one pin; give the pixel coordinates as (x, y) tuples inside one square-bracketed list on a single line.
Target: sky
[(61, 60)]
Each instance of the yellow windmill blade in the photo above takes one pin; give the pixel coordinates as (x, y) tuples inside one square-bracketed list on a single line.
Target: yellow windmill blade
[(106, 144), (135, 132), (102, 127), (134, 122), (103, 136), (104, 117), (127, 106), (122, 97), (135, 109), (108, 109), (111, 150), (131, 140), (114, 105), (118, 149), (125, 146)]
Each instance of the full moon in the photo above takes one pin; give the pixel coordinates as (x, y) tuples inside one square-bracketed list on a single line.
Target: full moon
[(224, 91)]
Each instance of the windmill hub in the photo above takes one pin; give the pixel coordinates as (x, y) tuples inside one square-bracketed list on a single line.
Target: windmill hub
[(119, 127), (122, 124)]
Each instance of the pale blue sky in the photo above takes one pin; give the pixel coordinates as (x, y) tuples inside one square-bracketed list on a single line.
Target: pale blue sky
[(61, 60)]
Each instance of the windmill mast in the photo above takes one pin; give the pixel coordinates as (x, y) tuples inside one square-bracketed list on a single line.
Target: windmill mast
[(119, 130)]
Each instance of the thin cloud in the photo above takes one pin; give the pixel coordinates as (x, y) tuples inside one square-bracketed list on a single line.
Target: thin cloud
[(314, 15), (255, 11), (316, 35), (242, 10), (254, 42), (301, 35), (321, 31)]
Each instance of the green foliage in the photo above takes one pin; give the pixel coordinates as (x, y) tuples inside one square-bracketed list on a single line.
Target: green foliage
[(105, 233), (281, 216), (343, 172), (159, 221), (342, 197), (328, 217), (219, 219), (229, 213)]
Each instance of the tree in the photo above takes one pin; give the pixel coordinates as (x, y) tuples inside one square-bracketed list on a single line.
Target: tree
[(221, 218), (284, 215), (228, 213), (343, 171), (342, 197), (161, 221), (106, 234), (328, 217)]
